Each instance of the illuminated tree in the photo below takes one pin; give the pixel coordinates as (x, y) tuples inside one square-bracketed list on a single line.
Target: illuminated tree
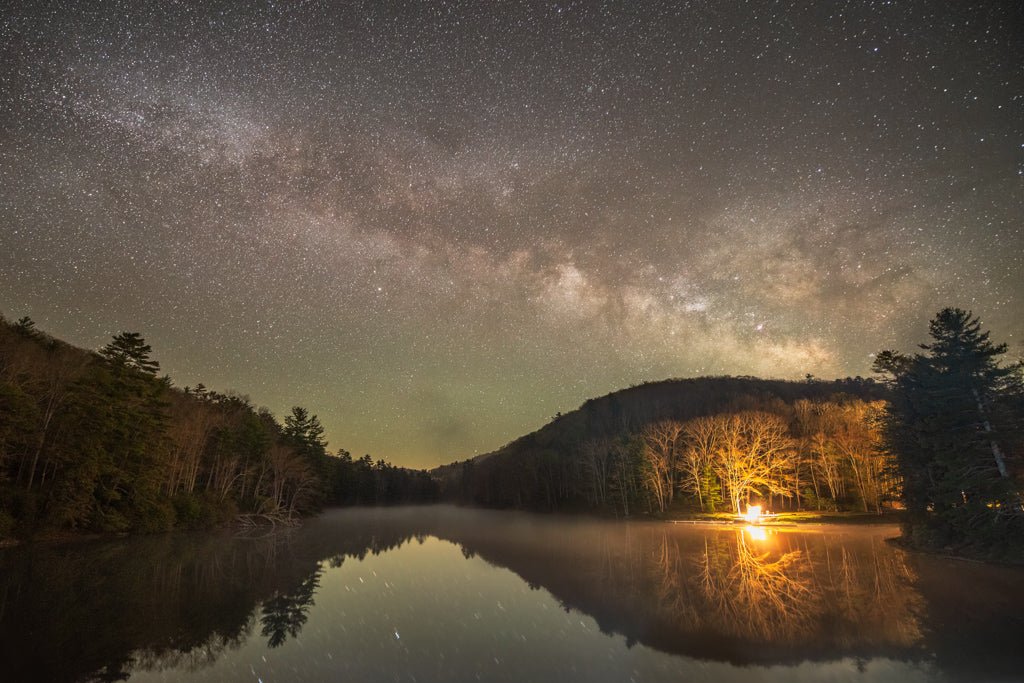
[(754, 454), (697, 462), (858, 438)]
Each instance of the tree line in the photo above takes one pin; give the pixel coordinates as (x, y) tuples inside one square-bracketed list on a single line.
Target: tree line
[(942, 434), (708, 444), (815, 454), (102, 442)]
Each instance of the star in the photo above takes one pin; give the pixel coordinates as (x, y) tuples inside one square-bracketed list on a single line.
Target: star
[(456, 220)]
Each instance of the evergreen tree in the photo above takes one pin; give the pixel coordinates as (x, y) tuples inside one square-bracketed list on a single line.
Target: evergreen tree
[(26, 327), (305, 432), (112, 458), (286, 613), (129, 349), (99, 442), (954, 418)]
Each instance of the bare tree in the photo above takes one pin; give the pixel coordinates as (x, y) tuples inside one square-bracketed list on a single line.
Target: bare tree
[(661, 443), (754, 455), (51, 374), (193, 421), (292, 480), (858, 438), (597, 465), (698, 457)]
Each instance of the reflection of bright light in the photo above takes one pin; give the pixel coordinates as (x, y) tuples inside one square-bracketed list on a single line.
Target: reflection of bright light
[(753, 513), (757, 533)]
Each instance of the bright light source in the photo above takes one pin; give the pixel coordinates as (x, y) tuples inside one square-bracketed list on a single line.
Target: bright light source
[(753, 514), (757, 533)]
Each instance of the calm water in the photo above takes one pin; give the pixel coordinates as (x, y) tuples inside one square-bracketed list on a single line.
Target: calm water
[(443, 594)]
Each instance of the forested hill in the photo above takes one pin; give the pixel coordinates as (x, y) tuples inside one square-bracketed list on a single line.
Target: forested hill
[(100, 441), (629, 451)]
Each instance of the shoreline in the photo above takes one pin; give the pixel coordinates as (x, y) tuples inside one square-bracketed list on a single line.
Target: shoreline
[(795, 519)]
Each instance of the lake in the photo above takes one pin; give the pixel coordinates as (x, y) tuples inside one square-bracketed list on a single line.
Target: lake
[(449, 594)]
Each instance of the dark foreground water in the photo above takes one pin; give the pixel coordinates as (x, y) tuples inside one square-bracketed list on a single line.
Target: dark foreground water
[(444, 594)]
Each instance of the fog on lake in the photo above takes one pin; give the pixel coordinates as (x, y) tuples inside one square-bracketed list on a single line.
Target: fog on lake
[(449, 594)]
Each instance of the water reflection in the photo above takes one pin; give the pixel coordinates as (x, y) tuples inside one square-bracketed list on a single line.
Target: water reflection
[(781, 592), (736, 594), (752, 593), (285, 614), (184, 604)]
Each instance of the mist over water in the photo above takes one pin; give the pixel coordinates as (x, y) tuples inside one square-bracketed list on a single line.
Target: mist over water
[(448, 594)]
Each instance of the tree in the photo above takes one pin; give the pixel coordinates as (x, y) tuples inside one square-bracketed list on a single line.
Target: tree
[(286, 613), (597, 464), (826, 461), (99, 442), (293, 484), (626, 470), (55, 384), (954, 416), (129, 349), (701, 435), (305, 432), (26, 327), (754, 455), (857, 437), (661, 441)]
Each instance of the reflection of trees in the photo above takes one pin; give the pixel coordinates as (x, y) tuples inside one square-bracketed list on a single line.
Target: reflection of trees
[(286, 613), (182, 600), (673, 591), (752, 592), (719, 593), (102, 610), (734, 588), (194, 659), (786, 589), (871, 587)]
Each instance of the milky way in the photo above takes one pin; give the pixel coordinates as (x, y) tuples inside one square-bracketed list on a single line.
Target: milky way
[(436, 224)]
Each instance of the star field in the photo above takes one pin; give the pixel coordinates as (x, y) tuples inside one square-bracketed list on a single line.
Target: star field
[(435, 224)]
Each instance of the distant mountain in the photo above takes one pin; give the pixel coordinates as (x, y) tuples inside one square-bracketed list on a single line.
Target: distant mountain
[(596, 446)]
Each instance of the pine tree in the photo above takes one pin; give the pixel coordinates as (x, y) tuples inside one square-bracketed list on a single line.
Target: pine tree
[(954, 416), (26, 327), (305, 432)]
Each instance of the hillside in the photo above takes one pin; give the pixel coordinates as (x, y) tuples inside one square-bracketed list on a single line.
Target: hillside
[(594, 456), (100, 442)]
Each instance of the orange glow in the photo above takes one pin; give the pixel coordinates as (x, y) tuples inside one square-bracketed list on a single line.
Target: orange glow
[(757, 533), (753, 514)]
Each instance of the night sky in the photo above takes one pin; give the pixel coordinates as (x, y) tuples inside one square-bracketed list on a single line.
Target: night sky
[(435, 224)]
